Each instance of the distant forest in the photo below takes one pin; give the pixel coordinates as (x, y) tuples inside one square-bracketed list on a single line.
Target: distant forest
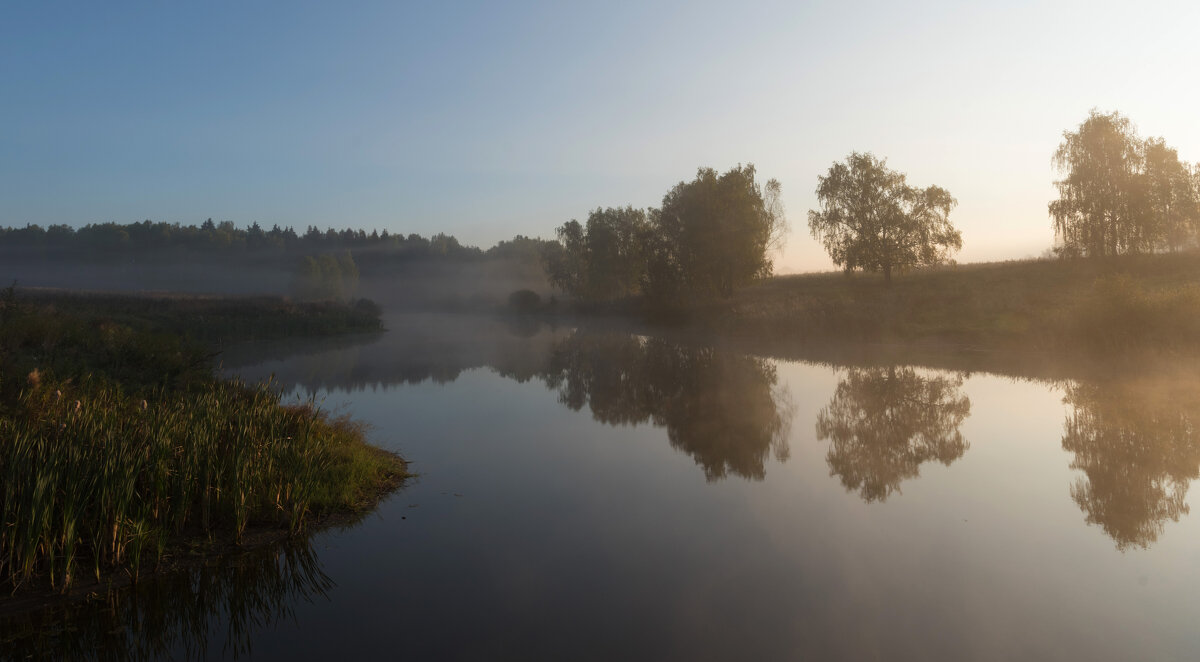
[(219, 257), (148, 239)]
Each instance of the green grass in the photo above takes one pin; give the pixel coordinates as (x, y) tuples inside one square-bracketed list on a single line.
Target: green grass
[(212, 320), (119, 442), (1094, 306)]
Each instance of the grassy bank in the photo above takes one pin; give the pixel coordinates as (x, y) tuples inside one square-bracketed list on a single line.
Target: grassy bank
[(1075, 305), (120, 444), (209, 319)]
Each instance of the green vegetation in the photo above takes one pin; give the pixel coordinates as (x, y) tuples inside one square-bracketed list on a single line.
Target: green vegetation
[(711, 236), (120, 442), (1121, 194), (1071, 306), (872, 219), (604, 260), (218, 258), (524, 301), (207, 320), (327, 277), (170, 242)]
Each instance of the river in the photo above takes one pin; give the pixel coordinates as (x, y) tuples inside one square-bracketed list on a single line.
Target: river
[(599, 494)]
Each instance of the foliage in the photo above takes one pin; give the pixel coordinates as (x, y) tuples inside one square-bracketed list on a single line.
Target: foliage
[(711, 235), (1121, 194), (719, 229), (158, 239), (872, 219), (118, 440), (603, 260), (524, 301), (215, 257), (1172, 191), (326, 277), (102, 332)]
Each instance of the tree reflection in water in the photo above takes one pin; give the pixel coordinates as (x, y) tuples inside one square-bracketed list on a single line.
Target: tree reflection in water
[(1138, 448), (886, 422), (175, 615), (725, 410)]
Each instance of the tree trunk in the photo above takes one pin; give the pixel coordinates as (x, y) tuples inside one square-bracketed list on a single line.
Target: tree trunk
[(887, 274)]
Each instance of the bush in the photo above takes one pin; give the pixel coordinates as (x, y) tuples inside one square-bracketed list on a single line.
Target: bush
[(525, 301)]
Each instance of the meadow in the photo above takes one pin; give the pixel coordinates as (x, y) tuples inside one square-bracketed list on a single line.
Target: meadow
[(1080, 306)]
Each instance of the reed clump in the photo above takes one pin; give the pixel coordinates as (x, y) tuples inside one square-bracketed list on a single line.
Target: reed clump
[(102, 471)]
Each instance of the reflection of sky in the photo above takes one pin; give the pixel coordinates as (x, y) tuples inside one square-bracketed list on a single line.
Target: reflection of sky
[(502, 118), (534, 531)]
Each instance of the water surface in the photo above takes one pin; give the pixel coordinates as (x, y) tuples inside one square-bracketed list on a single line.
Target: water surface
[(605, 495)]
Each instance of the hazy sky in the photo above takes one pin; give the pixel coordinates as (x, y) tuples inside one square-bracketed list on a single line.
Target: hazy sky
[(492, 119)]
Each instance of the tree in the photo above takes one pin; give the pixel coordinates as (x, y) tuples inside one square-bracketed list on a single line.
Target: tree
[(326, 276), (1121, 194), (1098, 211), (871, 219), (348, 271), (603, 260), (717, 231), (1171, 197)]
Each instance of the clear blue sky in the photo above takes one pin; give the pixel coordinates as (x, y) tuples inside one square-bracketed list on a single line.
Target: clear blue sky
[(492, 119)]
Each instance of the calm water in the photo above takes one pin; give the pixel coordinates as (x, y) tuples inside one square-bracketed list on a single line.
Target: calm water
[(600, 495)]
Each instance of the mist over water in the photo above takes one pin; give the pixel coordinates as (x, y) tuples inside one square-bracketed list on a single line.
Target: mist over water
[(396, 280)]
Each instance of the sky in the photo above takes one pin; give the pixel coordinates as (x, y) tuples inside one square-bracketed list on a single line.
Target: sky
[(487, 120)]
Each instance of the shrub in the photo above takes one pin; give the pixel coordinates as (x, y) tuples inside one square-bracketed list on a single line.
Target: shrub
[(525, 301)]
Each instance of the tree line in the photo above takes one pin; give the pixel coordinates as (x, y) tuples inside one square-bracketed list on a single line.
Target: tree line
[(100, 240), (1118, 194), (315, 264)]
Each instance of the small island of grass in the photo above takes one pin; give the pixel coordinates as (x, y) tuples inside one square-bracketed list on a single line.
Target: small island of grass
[(122, 447)]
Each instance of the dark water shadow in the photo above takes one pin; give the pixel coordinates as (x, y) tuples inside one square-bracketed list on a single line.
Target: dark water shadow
[(725, 410), (415, 348), (211, 609)]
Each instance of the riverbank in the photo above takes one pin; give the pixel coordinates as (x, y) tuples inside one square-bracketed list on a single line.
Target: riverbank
[(211, 319), (1064, 306), (124, 452)]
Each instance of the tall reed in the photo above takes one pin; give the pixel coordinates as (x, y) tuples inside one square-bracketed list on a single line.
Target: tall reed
[(88, 472)]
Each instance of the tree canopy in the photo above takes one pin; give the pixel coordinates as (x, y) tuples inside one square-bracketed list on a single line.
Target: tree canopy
[(872, 219), (604, 259), (720, 229), (711, 235), (1121, 194)]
